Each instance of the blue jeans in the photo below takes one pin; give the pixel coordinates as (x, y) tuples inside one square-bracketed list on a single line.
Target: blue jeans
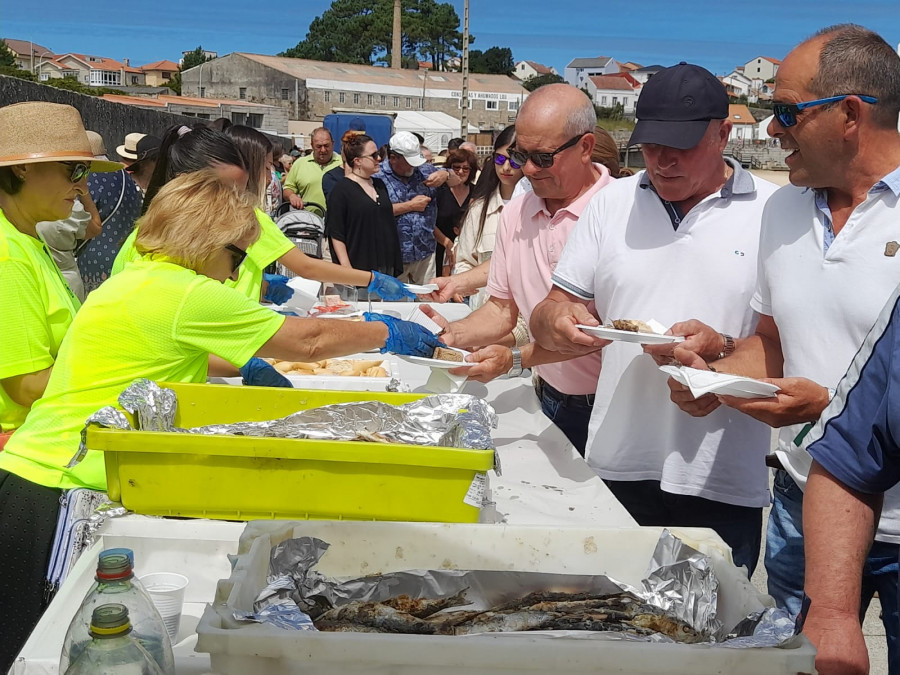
[(570, 412), (739, 526), (785, 565)]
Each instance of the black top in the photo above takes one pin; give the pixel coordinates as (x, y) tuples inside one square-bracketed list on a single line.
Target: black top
[(331, 178), (450, 215), (367, 228)]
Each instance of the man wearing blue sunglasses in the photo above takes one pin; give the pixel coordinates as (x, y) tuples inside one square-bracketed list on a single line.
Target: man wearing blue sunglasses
[(828, 262)]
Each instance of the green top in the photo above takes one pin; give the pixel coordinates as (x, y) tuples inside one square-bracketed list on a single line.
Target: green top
[(37, 308), (154, 319), (271, 245), (305, 178)]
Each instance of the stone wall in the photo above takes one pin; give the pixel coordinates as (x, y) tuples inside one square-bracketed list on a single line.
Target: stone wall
[(111, 120)]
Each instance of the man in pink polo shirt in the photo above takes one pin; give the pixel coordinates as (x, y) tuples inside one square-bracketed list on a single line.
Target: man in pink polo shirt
[(554, 140)]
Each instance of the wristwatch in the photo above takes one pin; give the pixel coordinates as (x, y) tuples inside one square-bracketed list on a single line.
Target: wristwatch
[(728, 348), (516, 369)]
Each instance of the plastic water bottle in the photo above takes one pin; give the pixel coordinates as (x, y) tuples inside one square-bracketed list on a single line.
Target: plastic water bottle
[(113, 650), (116, 583)]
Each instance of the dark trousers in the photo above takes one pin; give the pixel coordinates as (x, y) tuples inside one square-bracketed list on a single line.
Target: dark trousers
[(739, 526), (28, 515), (570, 412)]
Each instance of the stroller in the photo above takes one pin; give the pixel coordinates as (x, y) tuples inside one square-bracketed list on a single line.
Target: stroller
[(304, 228)]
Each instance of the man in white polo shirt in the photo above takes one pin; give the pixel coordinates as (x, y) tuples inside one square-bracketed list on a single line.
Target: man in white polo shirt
[(679, 239), (554, 141), (828, 262)]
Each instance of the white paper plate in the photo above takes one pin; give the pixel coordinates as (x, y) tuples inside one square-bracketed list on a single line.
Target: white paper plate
[(438, 363), (421, 289), (628, 336), (702, 382)]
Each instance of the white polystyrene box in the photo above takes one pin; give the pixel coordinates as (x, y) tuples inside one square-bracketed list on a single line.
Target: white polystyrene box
[(359, 548)]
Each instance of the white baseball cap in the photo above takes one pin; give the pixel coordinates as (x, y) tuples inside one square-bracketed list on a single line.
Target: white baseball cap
[(405, 144)]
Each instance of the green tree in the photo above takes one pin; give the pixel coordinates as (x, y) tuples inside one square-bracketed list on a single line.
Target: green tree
[(191, 59), (496, 60), (360, 31), (533, 83), (8, 64)]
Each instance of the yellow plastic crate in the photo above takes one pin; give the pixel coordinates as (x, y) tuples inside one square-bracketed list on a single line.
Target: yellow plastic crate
[(245, 478)]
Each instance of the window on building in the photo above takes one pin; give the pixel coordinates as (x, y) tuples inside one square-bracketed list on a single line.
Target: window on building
[(105, 78), (134, 79), (370, 99), (355, 99), (285, 94), (242, 93), (512, 105), (625, 101), (341, 97), (408, 102), (202, 92), (45, 77), (239, 118), (602, 100), (254, 120), (492, 105), (383, 99), (74, 76), (396, 101), (615, 100), (327, 96), (167, 76)]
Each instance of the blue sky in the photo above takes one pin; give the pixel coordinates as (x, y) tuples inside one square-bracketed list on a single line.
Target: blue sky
[(717, 35)]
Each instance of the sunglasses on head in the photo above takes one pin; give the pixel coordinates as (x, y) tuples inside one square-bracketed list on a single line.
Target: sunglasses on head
[(77, 170), (786, 113), (542, 160), (237, 256), (500, 160)]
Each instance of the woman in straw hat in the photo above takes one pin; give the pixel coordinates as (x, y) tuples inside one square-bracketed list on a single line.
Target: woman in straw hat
[(160, 318), (45, 157)]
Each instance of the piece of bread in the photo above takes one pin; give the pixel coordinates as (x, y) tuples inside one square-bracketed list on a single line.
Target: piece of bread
[(632, 325), (442, 354)]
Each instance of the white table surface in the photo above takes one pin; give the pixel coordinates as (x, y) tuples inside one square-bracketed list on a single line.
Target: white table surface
[(543, 482)]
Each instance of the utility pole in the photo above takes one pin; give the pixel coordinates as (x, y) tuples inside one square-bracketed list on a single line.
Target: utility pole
[(396, 42), (464, 103)]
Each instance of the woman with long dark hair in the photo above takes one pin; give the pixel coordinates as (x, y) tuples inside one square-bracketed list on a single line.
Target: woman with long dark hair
[(494, 189), (452, 203)]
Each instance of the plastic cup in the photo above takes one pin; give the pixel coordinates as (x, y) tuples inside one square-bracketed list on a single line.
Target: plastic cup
[(166, 589)]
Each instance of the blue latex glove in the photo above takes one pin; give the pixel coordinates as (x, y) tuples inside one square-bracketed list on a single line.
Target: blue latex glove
[(388, 288), (278, 291), (405, 337), (258, 373)]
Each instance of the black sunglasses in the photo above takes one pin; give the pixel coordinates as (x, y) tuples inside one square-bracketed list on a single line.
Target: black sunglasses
[(500, 160), (786, 113), (542, 160), (237, 256), (77, 170)]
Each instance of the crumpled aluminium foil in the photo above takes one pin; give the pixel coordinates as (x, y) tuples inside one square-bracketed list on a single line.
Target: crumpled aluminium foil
[(446, 420), (681, 581)]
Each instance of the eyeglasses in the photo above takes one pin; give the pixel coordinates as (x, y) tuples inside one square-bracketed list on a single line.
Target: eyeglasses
[(542, 160), (77, 170), (374, 156), (786, 113), (237, 256), (500, 160)]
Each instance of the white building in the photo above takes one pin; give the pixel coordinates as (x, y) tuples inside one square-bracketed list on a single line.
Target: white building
[(579, 70), (762, 67), (645, 73), (608, 91), (525, 70), (744, 126), (737, 84)]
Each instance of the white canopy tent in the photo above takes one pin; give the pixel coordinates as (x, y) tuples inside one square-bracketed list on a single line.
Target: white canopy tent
[(437, 127)]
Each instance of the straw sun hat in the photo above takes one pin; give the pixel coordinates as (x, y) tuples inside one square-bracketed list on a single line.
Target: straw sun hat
[(46, 132)]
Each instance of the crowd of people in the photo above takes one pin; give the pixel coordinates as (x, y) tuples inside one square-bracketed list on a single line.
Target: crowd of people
[(796, 286)]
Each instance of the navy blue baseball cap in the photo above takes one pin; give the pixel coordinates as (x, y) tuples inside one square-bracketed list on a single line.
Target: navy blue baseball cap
[(676, 105)]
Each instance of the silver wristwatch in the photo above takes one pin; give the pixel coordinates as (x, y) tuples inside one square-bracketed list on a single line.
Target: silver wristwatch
[(728, 346), (516, 369)]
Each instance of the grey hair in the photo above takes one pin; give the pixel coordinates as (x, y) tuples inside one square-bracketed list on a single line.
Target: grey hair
[(582, 120), (856, 60)]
